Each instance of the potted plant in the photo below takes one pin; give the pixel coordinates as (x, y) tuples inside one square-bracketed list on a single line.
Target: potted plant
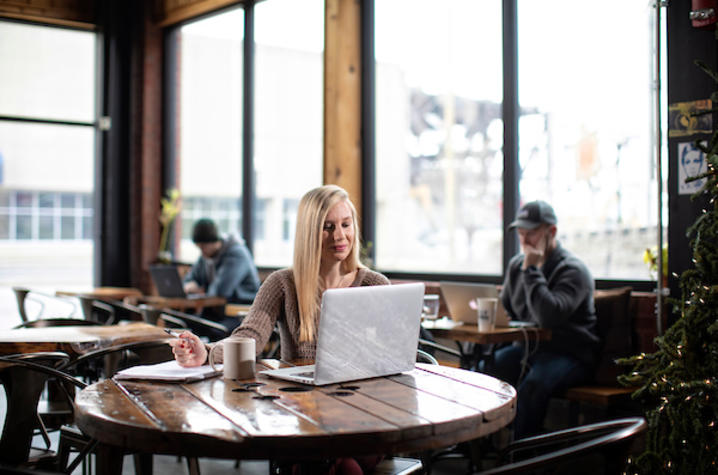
[(170, 206)]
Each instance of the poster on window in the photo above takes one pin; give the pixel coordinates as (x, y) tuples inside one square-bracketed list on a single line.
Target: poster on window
[(691, 162), (689, 118)]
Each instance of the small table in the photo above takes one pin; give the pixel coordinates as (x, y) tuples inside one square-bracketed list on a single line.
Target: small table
[(444, 328), (75, 340), (196, 304), (264, 418), (114, 293), (237, 309), (87, 298), (23, 387), (448, 329)]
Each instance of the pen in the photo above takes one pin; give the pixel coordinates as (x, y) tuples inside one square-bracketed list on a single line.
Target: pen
[(171, 333)]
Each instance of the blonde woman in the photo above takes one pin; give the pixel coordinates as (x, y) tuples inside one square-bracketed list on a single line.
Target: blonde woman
[(326, 256)]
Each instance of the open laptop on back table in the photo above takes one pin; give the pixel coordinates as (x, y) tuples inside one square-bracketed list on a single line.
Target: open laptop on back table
[(459, 294), (364, 332), (168, 282)]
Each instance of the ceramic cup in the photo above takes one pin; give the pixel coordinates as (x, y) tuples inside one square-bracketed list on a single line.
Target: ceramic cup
[(239, 357), (486, 312)]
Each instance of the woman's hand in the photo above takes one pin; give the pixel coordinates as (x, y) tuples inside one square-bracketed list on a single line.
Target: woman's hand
[(189, 350)]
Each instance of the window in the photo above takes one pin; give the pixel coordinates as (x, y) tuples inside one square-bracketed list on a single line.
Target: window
[(47, 139), (439, 132), (288, 113), (586, 133), (209, 160), (286, 121)]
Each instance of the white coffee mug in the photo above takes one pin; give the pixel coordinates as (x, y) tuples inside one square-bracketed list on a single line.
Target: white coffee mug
[(486, 312), (239, 357)]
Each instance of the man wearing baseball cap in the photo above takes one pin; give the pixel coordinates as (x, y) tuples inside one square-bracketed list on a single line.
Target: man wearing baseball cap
[(547, 285)]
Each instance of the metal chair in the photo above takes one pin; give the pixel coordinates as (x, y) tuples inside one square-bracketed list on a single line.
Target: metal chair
[(105, 362), (53, 409), (606, 444), (424, 357), (24, 376), (603, 447), (23, 295), (55, 322), (202, 327), (430, 347), (108, 311)]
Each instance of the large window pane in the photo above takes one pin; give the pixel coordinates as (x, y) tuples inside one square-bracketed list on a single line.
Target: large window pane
[(288, 108), (439, 135), (209, 82), (47, 73), (587, 129)]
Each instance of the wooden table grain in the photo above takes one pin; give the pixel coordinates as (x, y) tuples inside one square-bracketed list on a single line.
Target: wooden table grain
[(194, 304), (470, 333), (75, 340), (23, 387), (115, 293), (485, 342), (263, 418)]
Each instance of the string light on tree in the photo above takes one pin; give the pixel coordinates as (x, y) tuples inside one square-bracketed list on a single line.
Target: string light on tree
[(677, 383)]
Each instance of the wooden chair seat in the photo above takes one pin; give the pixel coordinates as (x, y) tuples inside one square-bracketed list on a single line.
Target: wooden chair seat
[(598, 395)]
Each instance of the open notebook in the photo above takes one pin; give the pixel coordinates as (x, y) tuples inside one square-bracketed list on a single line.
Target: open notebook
[(169, 371)]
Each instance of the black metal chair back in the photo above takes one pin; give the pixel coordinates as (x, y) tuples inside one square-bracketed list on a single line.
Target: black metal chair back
[(605, 444)]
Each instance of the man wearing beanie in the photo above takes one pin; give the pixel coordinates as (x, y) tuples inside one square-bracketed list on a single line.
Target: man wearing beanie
[(552, 288), (225, 268)]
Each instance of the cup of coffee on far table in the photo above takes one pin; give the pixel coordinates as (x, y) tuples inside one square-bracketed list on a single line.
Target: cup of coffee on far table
[(486, 312)]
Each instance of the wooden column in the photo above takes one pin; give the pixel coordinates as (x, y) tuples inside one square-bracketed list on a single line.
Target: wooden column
[(342, 97), (146, 180)]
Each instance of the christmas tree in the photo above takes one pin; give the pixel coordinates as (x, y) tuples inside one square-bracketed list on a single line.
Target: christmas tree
[(678, 384)]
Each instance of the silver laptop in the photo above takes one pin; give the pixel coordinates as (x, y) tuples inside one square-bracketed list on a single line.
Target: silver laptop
[(364, 332), (458, 295)]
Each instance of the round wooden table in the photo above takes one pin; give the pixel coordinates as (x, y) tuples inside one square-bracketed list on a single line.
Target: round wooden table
[(263, 418)]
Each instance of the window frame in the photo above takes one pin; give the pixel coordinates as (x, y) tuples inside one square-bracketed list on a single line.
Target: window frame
[(511, 177), (510, 112), (57, 212), (171, 99)]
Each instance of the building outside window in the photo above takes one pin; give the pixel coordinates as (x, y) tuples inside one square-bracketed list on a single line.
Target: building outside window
[(47, 145), (288, 114), (288, 105), (586, 133), (586, 140), (439, 136), (209, 118)]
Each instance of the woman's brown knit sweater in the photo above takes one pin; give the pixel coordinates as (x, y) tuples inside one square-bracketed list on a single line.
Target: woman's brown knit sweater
[(276, 303)]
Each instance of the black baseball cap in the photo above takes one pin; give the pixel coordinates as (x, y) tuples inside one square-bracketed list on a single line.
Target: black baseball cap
[(533, 214)]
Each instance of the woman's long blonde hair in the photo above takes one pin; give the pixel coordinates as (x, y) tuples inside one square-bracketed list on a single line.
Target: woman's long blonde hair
[(312, 212)]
